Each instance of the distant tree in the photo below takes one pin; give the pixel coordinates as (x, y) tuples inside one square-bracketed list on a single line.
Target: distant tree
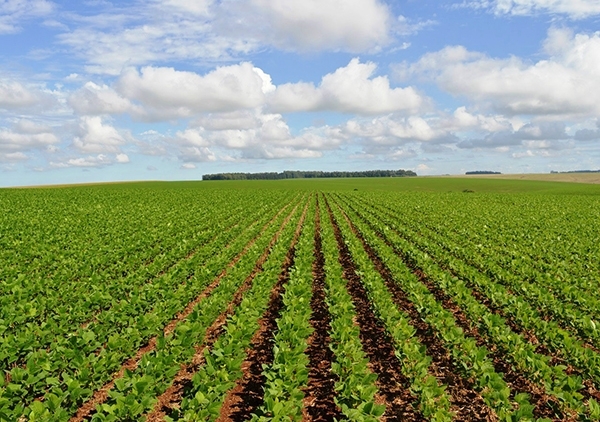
[(297, 174)]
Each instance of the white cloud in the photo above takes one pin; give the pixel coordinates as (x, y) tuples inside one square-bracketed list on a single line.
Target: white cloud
[(350, 89), (154, 32), (391, 130), (191, 137), (94, 136), (188, 166), (256, 136), (140, 33), (196, 8), (588, 134), (196, 155), (575, 9), (14, 12), (169, 92), (349, 25), (405, 26), (12, 157), (99, 160), (564, 84), (464, 120), (14, 95), (122, 158), (532, 135), (31, 127), (100, 99), (239, 119), (11, 141)]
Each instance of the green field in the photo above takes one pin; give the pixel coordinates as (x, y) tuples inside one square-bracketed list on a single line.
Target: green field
[(350, 299)]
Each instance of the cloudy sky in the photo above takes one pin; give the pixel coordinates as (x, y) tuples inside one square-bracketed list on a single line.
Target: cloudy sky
[(173, 89)]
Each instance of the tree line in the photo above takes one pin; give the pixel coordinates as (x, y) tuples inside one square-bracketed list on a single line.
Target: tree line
[(296, 174)]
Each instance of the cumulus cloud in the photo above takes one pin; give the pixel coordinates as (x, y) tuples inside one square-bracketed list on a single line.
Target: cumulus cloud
[(149, 32), (464, 120), (532, 135), (350, 89), (197, 8), (12, 141), (167, 91), (95, 136), (140, 33), (122, 158), (393, 130), (239, 119), (258, 135), (14, 95), (564, 84), (349, 25), (14, 12), (101, 99), (100, 160), (31, 127), (588, 134), (12, 157), (575, 9)]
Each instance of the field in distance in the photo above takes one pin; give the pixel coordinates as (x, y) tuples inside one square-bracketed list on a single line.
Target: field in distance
[(438, 299), (548, 177)]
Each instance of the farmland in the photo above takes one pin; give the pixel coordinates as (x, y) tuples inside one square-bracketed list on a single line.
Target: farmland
[(364, 300)]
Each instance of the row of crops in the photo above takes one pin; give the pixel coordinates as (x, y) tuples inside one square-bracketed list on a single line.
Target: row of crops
[(123, 304)]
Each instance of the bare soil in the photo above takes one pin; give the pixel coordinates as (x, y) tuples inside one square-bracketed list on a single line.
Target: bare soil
[(248, 394), (393, 385), (319, 404), (101, 395)]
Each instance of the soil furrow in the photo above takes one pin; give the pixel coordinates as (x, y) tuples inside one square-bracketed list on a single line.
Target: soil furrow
[(319, 404), (393, 385), (590, 390), (544, 313), (545, 405), (101, 395), (244, 399), (173, 395), (467, 404)]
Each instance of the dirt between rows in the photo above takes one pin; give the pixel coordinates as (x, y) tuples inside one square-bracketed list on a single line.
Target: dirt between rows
[(550, 403), (467, 403), (190, 254), (545, 406), (171, 398), (101, 395), (393, 385), (248, 394), (319, 404), (544, 313)]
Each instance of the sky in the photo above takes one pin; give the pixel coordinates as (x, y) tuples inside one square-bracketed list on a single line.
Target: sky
[(95, 91)]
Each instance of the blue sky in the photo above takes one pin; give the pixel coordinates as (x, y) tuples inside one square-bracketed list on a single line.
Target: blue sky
[(143, 90)]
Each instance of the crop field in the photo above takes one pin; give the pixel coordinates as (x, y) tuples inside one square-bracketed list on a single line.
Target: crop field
[(362, 300)]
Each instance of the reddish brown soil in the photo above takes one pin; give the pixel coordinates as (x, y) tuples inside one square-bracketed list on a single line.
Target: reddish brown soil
[(100, 395), (248, 394), (467, 404), (319, 404), (544, 313), (545, 405), (393, 386)]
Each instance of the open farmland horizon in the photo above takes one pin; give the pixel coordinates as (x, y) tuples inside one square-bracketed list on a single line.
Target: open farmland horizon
[(367, 299), (563, 182), (98, 90)]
